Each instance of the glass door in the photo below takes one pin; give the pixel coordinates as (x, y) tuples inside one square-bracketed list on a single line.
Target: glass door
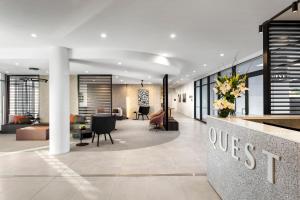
[(256, 101)]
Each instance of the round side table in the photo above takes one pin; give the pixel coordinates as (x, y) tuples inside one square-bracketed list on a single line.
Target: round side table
[(81, 133)]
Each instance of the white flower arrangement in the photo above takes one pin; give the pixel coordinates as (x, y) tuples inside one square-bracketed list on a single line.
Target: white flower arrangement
[(228, 89)]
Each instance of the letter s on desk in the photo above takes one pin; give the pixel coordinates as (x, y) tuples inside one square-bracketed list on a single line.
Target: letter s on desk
[(212, 136), (250, 162)]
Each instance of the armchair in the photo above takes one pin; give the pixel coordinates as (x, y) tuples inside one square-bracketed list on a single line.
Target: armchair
[(143, 111), (103, 125), (157, 120)]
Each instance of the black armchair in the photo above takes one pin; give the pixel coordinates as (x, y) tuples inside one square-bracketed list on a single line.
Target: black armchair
[(143, 111), (103, 125)]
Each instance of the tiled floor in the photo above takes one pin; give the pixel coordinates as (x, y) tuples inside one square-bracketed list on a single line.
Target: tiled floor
[(173, 168)]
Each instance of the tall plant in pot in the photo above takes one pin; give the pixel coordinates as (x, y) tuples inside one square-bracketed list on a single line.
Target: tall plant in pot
[(228, 90)]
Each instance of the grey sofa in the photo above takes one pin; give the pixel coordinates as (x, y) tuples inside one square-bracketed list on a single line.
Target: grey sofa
[(11, 128)]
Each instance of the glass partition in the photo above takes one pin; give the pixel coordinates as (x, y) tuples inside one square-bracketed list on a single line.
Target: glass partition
[(256, 103), (250, 103), (213, 96), (197, 100), (204, 100)]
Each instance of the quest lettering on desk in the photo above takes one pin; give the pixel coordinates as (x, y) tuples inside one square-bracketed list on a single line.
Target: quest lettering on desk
[(220, 138)]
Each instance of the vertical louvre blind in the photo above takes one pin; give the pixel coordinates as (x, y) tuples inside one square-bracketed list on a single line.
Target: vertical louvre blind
[(24, 95), (284, 48), (95, 95)]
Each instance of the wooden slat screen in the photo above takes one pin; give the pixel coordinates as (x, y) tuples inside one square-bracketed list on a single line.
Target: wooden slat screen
[(95, 92), (284, 49), (23, 95)]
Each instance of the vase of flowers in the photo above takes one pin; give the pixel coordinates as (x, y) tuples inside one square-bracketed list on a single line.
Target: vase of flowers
[(228, 90)]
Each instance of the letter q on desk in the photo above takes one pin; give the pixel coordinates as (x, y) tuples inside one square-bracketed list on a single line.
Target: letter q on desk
[(212, 136)]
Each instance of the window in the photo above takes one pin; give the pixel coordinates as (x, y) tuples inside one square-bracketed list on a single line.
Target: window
[(250, 103), (250, 66), (204, 100), (24, 95), (227, 72), (213, 96), (197, 100), (2, 95), (255, 92)]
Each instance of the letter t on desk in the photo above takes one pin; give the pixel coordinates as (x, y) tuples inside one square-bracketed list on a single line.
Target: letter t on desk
[(271, 165)]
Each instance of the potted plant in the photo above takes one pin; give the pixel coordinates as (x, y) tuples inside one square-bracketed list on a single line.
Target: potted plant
[(228, 89)]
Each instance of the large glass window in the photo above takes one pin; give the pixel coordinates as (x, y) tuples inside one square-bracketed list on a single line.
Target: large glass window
[(240, 106), (2, 97), (227, 72), (213, 96), (251, 103), (197, 100), (250, 66), (255, 92), (204, 110), (24, 95)]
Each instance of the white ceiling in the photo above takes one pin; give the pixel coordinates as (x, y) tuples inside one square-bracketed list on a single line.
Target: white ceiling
[(137, 35)]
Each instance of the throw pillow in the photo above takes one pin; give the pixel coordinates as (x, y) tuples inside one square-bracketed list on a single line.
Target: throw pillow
[(72, 119)]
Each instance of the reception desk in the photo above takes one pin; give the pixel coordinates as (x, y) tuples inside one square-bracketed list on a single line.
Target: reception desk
[(249, 159)]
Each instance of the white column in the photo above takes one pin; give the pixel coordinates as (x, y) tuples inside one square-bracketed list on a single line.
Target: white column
[(59, 108)]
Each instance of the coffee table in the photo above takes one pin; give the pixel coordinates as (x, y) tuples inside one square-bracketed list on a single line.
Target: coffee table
[(33, 133)]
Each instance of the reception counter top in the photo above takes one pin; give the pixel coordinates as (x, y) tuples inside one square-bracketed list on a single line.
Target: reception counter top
[(250, 159), (256, 123)]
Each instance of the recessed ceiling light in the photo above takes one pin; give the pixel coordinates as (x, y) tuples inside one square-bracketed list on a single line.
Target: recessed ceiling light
[(33, 35), (86, 72), (181, 79), (164, 55), (222, 54), (204, 65), (194, 71), (173, 35), (17, 63), (149, 77), (121, 80), (103, 35), (120, 63)]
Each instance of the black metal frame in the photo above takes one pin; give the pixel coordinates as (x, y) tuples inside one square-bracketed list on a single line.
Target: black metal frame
[(266, 70), (165, 102)]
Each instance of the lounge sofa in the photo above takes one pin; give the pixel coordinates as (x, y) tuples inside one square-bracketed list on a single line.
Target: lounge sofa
[(15, 122)]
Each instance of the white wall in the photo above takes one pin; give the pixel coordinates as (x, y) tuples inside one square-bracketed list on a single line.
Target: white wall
[(184, 108), (132, 98), (44, 98)]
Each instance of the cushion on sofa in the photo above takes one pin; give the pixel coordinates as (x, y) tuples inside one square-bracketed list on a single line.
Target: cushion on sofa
[(72, 119), (19, 119)]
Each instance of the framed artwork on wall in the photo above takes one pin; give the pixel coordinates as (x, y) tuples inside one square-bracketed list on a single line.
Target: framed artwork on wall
[(179, 98), (143, 97)]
